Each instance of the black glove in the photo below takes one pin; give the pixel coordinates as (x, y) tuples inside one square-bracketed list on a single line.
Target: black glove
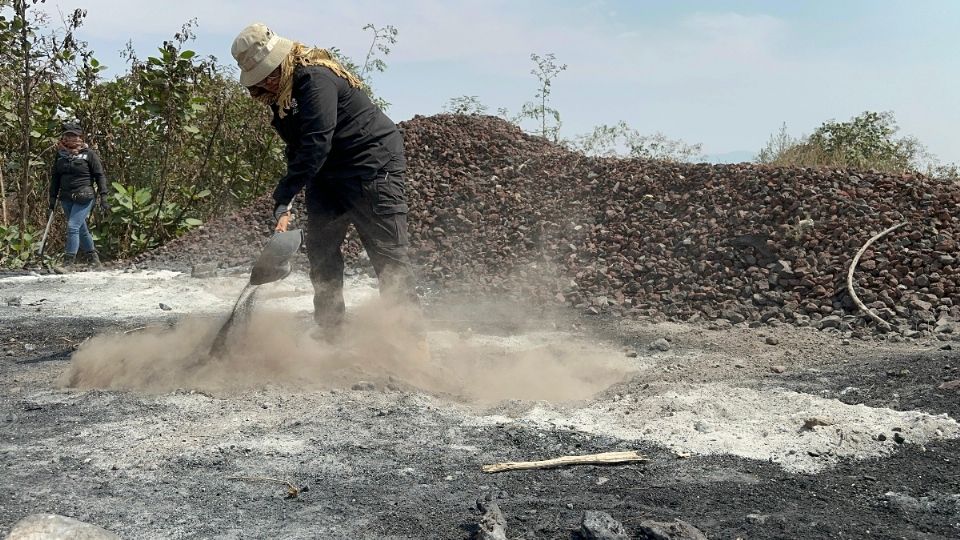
[(104, 205), (53, 203), (279, 210)]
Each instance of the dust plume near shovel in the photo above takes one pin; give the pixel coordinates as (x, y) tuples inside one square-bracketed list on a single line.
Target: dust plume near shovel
[(272, 265)]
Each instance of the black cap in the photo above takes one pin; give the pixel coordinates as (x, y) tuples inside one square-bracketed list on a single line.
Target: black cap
[(71, 127)]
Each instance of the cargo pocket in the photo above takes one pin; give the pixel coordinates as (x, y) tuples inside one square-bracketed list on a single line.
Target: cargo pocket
[(386, 194), (389, 233)]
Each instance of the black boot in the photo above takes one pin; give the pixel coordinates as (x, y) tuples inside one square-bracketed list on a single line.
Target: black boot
[(69, 261), (93, 259)]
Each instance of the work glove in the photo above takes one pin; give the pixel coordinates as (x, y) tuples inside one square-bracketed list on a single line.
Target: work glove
[(104, 205), (279, 210), (53, 203)]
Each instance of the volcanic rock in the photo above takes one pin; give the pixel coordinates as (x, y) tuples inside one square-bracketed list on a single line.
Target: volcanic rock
[(496, 211)]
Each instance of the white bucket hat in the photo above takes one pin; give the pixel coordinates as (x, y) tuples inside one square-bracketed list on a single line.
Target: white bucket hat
[(258, 51)]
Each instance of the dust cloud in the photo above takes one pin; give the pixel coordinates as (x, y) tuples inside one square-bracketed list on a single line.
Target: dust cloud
[(378, 345)]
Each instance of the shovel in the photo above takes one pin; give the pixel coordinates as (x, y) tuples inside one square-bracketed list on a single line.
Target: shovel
[(43, 241), (272, 265)]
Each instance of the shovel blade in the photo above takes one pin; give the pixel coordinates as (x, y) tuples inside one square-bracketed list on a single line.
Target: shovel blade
[(274, 261)]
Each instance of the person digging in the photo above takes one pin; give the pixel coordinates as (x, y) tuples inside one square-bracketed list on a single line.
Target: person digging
[(76, 171), (348, 157)]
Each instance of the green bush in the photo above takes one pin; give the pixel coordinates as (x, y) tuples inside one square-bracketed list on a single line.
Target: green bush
[(129, 227), (867, 141), (15, 248)]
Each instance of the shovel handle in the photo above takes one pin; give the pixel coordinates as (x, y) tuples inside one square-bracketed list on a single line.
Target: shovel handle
[(283, 223)]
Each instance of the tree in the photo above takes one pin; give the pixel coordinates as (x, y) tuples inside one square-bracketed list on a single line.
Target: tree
[(622, 140), (465, 105), (33, 59), (546, 71), (777, 146), (944, 171), (180, 138), (867, 141), (383, 38)]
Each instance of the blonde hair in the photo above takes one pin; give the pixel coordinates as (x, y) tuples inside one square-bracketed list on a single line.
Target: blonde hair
[(301, 55)]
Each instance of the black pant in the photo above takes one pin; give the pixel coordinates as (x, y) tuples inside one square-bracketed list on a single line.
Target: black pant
[(378, 209)]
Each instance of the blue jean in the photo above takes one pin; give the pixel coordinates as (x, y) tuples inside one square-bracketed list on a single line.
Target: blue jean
[(78, 235)]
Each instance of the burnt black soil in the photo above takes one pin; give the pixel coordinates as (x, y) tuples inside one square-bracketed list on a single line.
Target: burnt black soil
[(398, 482)]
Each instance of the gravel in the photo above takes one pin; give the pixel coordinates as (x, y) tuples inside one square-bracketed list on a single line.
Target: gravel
[(494, 210)]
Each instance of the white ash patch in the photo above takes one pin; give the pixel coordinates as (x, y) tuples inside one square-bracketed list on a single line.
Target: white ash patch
[(121, 295), (765, 425)]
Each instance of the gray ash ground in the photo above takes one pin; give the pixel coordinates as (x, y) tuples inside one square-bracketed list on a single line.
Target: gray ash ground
[(405, 464)]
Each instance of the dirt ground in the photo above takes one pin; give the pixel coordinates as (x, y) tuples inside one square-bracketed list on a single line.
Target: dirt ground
[(149, 446)]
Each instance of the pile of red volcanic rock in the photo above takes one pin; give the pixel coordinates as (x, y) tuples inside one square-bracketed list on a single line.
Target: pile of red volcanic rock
[(494, 210)]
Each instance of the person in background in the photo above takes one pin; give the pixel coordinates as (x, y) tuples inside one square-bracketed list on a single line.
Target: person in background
[(348, 155), (76, 172)]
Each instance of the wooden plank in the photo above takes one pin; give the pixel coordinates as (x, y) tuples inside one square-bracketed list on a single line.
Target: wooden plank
[(606, 458)]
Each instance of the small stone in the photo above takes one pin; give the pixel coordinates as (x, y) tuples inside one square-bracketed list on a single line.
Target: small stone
[(493, 524), (40, 526), (950, 385), (831, 321), (165, 307), (758, 519), (601, 526), (898, 438), (661, 345), (815, 421), (632, 354), (778, 369), (772, 340), (204, 270), (733, 317), (945, 328), (675, 530), (738, 365), (881, 437)]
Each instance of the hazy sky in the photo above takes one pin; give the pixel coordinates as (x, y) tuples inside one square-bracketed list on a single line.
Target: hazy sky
[(722, 73)]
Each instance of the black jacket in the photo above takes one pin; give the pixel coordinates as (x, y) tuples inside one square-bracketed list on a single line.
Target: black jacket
[(333, 131), (71, 174)]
